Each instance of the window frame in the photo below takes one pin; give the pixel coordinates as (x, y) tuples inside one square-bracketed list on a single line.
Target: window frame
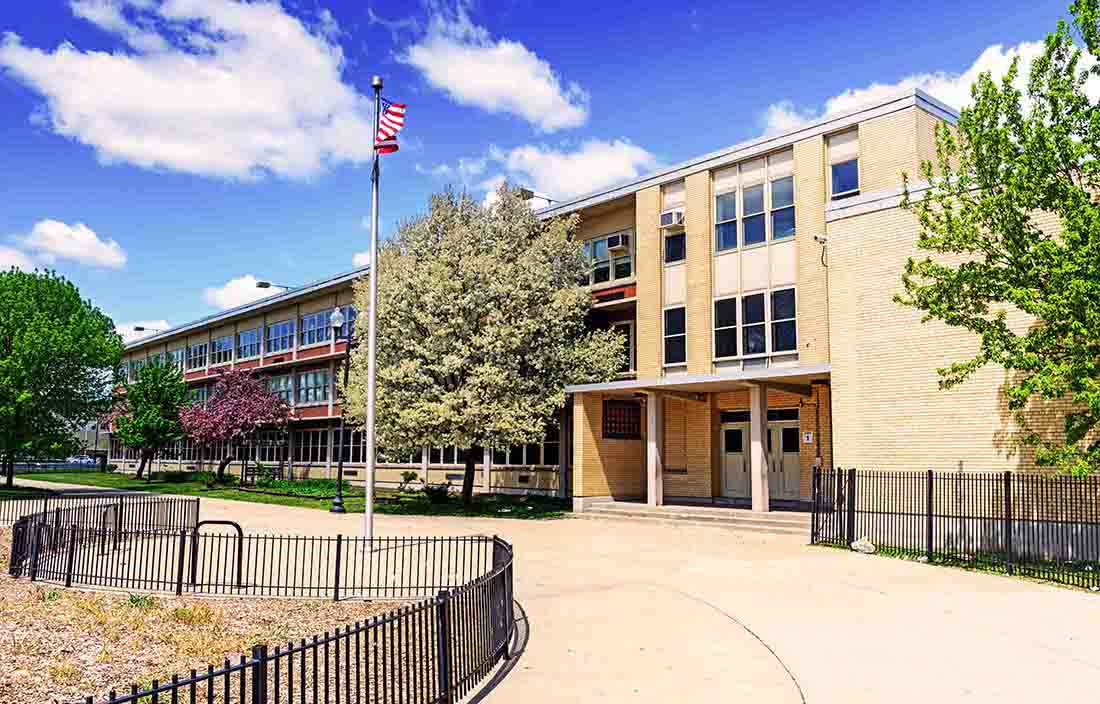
[(319, 330), (191, 356), (665, 336), (218, 350), (629, 428), (289, 335), (735, 220), (852, 192), (767, 213), (178, 358), (670, 233), (736, 327), (768, 323), (287, 392), (613, 260), (320, 393), (772, 322), (256, 345)]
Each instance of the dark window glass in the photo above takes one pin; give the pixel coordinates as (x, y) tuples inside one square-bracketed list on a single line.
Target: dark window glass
[(675, 248), (460, 456), (783, 304), (753, 308), (790, 440), (622, 267), (783, 414), (515, 454), (674, 321), (845, 178), (500, 455), (725, 313), (676, 349), (784, 336), (550, 453), (725, 235), (435, 456), (732, 440), (782, 223), (735, 416), (725, 342), (601, 273), (622, 419), (753, 337), (725, 207), (755, 230), (531, 453)]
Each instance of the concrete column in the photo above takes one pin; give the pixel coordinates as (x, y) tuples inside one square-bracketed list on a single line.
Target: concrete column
[(655, 424), (758, 438)]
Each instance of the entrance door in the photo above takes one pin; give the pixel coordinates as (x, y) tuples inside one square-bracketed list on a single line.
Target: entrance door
[(736, 481), (784, 471)]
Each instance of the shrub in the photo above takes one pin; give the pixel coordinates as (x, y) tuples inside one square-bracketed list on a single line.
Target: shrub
[(437, 493), (112, 467), (322, 488), (144, 602), (407, 478)]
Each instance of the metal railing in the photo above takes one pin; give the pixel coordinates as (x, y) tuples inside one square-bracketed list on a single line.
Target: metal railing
[(107, 510), (1040, 526)]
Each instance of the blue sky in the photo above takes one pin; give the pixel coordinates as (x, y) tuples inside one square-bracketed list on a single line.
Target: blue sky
[(156, 152)]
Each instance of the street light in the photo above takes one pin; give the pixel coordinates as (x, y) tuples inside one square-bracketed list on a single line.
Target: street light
[(138, 328), (336, 321), (529, 194), (268, 284)]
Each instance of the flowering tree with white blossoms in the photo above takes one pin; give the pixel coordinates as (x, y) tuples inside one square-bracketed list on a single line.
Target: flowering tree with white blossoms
[(481, 325)]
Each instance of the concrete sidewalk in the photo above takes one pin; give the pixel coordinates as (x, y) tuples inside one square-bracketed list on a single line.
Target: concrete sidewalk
[(622, 611)]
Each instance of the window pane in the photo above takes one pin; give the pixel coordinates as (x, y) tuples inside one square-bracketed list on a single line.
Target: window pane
[(550, 454), (435, 455), (754, 342), (845, 176), (783, 304), (601, 273), (725, 313), (515, 454), (622, 267), (532, 453), (675, 349), (725, 342), (754, 230), (725, 207), (599, 250), (754, 200), (790, 439), (674, 321), (732, 440), (784, 337), (725, 235), (752, 308), (674, 248), (782, 192), (783, 223)]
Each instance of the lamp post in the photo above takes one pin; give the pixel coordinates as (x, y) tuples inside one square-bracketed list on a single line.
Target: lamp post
[(139, 328), (336, 321)]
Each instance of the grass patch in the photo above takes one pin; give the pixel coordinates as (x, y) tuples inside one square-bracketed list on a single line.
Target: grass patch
[(317, 493)]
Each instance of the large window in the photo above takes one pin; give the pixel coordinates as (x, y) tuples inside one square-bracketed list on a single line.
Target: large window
[(672, 218), (725, 209), (196, 356), (280, 336), (675, 336), (177, 358), (282, 386), (784, 333), (350, 314), (725, 328), (311, 446), (844, 165), (448, 455), (754, 229), (781, 189), (622, 420), (248, 343), (221, 350), (315, 328), (754, 202), (754, 338), (610, 257), (313, 386)]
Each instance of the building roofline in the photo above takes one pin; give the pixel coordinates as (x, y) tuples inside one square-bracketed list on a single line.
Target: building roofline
[(260, 304), (758, 146), (680, 380)]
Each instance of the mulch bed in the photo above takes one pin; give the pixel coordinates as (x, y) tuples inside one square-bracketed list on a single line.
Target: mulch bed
[(65, 644)]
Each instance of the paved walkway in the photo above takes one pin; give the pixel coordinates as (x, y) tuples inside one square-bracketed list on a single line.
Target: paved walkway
[(622, 611)]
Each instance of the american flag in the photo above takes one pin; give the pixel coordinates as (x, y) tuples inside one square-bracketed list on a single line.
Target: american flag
[(390, 123)]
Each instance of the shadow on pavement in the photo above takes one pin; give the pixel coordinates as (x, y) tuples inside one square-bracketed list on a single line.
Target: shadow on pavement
[(517, 648)]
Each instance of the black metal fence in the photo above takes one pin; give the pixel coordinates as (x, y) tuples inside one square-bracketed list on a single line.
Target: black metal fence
[(1046, 527), (117, 511)]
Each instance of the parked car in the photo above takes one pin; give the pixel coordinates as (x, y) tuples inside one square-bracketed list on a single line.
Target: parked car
[(83, 460)]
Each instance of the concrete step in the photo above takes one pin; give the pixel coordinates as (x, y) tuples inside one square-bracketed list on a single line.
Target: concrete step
[(776, 523), (616, 516)]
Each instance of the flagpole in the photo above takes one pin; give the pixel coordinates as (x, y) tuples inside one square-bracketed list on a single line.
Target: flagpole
[(372, 317)]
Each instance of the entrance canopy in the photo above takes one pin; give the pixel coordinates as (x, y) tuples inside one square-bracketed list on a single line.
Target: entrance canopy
[(710, 383)]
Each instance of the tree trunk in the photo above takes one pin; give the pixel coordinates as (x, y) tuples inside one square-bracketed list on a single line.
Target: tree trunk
[(468, 478), (141, 465), (222, 465)]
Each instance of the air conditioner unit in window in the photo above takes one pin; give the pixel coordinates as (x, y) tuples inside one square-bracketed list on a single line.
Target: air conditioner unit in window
[(618, 243), (672, 218)]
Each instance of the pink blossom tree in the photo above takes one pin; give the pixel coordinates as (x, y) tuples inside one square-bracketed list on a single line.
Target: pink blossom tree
[(239, 406)]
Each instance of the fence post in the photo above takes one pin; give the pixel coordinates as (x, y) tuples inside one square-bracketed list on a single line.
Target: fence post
[(70, 557), (851, 506), (259, 674), (1008, 522), (339, 555), (815, 502), (443, 643), (180, 555), (35, 547), (928, 510)]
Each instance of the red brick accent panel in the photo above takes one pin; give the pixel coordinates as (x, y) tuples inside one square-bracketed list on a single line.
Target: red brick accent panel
[(318, 351), (250, 364), (191, 376), (312, 411)]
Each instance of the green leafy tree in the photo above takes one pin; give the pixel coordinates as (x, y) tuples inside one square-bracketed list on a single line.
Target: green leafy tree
[(1030, 292), (58, 359), (147, 410), (481, 325)]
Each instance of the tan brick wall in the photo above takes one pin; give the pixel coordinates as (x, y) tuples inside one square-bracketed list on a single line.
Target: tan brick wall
[(688, 434), (604, 467), (810, 185), (926, 139), (700, 253), (606, 222), (649, 268), (887, 147)]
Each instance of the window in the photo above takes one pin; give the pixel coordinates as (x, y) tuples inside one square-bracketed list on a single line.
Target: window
[(844, 164), (545, 453), (446, 455), (196, 356), (311, 446), (315, 328), (782, 414), (672, 211), (350, 314), (313, 386), (675, 336), (622, 420), (606, 263), (221, 350), (248, 343), (732, 440), (725, 209), (675, 247), (781, 173), (725, 328), (789, 439), (136, 365), (753, 218), (784, 334), (280, 336), (753, 334), (200, 394), (156, 359), (176, 358), (282, 386), (626, 329)]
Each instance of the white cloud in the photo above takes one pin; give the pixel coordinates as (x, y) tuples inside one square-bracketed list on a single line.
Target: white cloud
[(465, 171), (211, 87), (360, 259), (237, 292), (129, 334), (52, 239), (11, 257), (951, 88), (562, 174), (500, 76)]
